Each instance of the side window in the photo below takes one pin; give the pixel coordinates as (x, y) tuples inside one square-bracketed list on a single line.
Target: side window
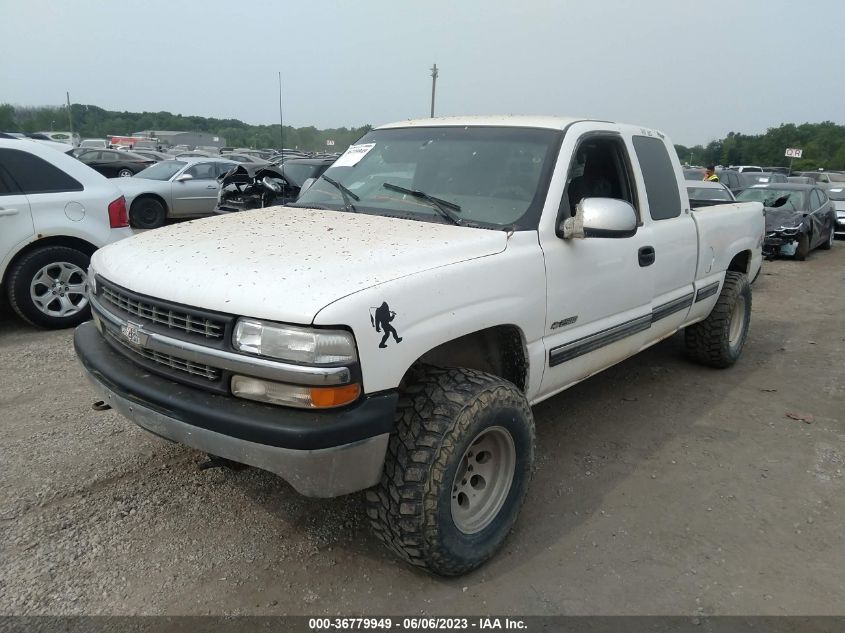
[(202, 171), (109, 157), (822, 197), (815, 200), (222, 168), (35, 175), (600, 169), (90, 157), (661, 184)]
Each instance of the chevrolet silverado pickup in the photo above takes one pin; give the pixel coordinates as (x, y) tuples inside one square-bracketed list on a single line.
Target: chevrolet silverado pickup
[(391, 330)]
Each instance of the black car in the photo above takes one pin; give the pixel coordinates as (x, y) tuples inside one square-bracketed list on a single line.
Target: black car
[(252, 186), (112, 162), (799, 218)]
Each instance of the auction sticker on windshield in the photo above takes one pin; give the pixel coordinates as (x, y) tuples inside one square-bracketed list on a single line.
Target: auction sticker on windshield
[(353, 155)]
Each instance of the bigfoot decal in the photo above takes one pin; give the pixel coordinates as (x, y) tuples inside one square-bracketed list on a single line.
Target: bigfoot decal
[(380, 319)]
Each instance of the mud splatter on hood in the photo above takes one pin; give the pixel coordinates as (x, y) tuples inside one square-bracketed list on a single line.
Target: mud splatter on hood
[(284, 263)]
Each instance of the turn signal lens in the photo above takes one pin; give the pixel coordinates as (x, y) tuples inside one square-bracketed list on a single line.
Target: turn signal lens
[(294, 395)]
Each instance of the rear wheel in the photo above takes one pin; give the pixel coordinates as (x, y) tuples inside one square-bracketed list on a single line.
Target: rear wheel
[(718, 340), (456, 472), (47, 287), (125, 173), (147, 213), (803, 247)]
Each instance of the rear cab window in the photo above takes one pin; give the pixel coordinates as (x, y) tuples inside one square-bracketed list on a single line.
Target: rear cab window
[(32, 174), (661, 182)]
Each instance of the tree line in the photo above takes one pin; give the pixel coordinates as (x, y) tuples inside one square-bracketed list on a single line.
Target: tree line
[(94, 122), (823, 143), (823, 146)]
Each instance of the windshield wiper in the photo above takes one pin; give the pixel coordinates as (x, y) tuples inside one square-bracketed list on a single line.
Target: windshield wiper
[(444, 207), (346, 193)]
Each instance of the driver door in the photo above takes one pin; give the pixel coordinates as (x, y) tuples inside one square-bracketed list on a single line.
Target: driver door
[(599, 289), (198, 194)]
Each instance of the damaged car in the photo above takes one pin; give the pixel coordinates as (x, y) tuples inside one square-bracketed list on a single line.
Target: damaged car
[(253, 186), (799, 218)]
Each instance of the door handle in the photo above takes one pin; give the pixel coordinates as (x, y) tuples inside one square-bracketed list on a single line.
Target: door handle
[(646, 256), (211, 187), (8, 211)]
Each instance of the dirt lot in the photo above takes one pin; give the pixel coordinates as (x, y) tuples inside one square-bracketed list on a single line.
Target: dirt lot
[(661, 488)]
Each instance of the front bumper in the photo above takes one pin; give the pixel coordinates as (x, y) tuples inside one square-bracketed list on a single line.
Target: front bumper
[(778, 244), (320, 453), (839, 227)]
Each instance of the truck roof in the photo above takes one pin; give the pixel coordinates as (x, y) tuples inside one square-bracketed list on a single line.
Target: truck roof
[(510, 120)]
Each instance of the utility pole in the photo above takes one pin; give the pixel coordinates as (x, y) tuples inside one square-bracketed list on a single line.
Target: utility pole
[(434, 74), (281, 120), (69, 117)]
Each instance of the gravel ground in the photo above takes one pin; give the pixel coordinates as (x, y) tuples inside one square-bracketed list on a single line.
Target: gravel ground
[(661, 488)]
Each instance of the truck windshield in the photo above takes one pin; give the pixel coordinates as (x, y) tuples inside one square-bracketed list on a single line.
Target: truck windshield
[(496, 176)]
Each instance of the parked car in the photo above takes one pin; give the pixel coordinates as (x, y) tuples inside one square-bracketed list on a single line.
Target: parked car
[(799, 218), (731, 179), (212, 150), (194, 154), (837, 195), (54, 213), (825, 177), (152, 155), (741, 169), (801, 180), (245, 158), (391, 330), (173, 189), (761, 178), (252, 186), (114, 163), (94, 143), (707, 193)]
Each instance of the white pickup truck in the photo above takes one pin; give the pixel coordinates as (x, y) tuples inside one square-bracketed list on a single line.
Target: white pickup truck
[(392, 329)]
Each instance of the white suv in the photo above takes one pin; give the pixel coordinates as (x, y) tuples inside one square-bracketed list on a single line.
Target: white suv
[(54, 213)]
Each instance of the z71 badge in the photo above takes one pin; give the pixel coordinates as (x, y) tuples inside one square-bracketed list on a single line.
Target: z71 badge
[(564, 322)]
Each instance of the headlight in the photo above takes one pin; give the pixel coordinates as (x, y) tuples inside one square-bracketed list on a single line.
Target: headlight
[(293, 395), (296, 344)]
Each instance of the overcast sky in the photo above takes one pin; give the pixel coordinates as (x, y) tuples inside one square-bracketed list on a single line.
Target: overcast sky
[(695, 70)]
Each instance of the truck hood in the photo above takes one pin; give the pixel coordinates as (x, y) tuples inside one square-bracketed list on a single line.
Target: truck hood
[(284, 263)]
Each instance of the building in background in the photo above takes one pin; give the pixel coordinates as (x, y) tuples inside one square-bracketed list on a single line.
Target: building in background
[(171, 138)]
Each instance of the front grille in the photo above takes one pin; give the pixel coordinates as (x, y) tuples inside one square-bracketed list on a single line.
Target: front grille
[(173, 362), (173, 318)]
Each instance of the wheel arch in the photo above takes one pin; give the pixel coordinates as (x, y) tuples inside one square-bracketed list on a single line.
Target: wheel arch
[(151, 195), (499, 350), (741, 262), (53, 240)]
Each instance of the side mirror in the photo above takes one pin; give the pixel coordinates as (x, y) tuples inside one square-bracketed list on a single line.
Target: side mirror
[(184, 177), (600, 217)]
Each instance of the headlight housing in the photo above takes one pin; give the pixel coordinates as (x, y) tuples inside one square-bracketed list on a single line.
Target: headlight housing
[(296, 344)]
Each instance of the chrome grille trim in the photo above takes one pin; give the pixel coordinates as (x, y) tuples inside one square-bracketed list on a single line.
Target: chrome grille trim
[(230, 361), (173, 319), (179, 364)]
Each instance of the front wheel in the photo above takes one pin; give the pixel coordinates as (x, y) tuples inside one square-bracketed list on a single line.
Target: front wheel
[(125, 173), (47, 287), (803, 247), (718, 340), (457, 470), (828, 243)]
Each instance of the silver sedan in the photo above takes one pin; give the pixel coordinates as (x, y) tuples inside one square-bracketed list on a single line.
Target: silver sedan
[(181, 188)]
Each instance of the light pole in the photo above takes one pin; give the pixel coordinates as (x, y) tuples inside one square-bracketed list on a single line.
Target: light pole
[(281, 120), (434, 74)]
